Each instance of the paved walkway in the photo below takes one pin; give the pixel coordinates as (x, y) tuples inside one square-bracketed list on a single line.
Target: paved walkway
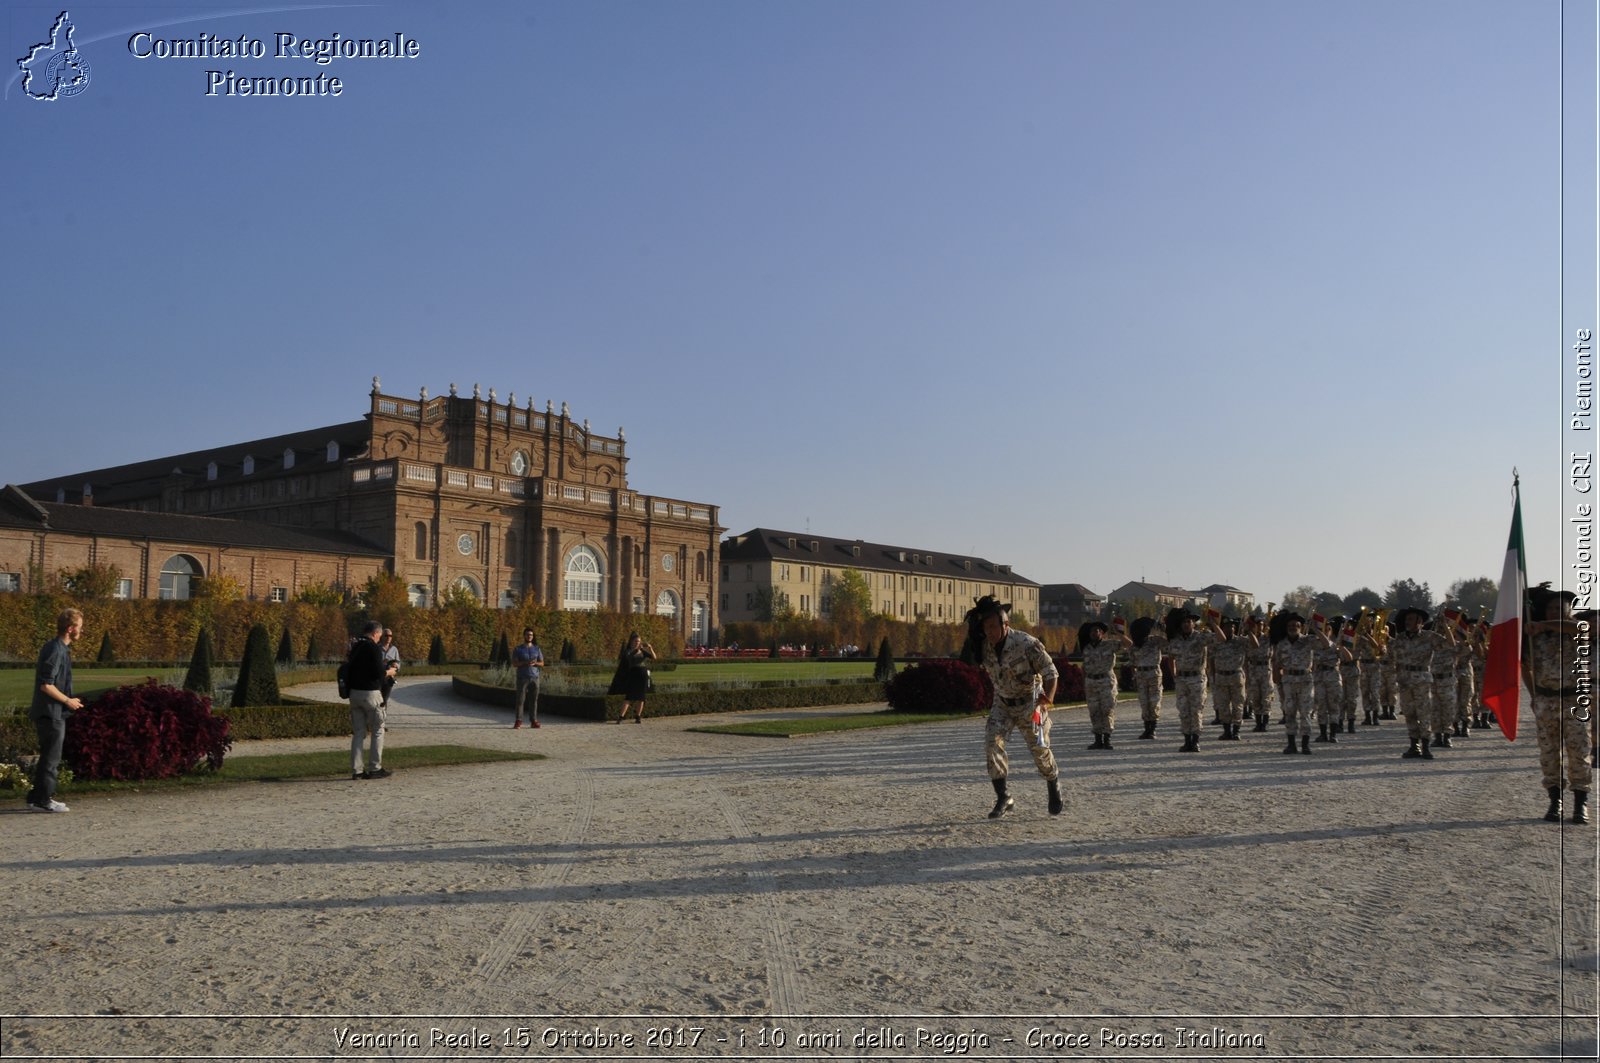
[(844, 894)]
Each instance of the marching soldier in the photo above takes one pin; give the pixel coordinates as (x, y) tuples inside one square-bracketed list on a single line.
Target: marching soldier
[(1257, 672), (1442, 668), (1187, 648), (1480, 714), (1328, 691), (1547, 667), (1466, 689), (1391, 675), (1349, 682), (1292, 661), (1372, 669), (1024, 679), (1148, 649), (1413, 649), (1100, 678), (1227, 687)]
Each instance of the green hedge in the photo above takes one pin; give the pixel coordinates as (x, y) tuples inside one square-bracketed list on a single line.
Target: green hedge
[(768, 694)]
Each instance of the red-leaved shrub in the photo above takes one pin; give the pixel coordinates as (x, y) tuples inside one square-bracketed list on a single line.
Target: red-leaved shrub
[(940, 686), (1069, 682), (145, 732)]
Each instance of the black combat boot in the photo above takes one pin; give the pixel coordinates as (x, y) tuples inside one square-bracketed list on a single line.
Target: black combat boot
[(1349, 725), (1261, 722), (1414, 751), (1105, 741), (1290, 748), (1427, 754), (1002, 800), (1149, 729), (1322, 732), (1580, 799), (1191, 744), (1095, 744), (1054, 791), (1305, 744), (1553, 813), (1442, 740), (1333, 733)]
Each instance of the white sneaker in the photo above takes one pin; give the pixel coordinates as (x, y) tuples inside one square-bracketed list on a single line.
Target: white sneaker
[(53, 806)]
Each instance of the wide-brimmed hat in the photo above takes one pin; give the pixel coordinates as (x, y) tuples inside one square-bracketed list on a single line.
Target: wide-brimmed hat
[(1400, 617), (1086, 628), (990, 604), (1539, 597)]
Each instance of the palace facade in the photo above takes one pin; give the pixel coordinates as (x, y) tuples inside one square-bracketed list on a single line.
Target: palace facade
[(907, 583), (459, 494)]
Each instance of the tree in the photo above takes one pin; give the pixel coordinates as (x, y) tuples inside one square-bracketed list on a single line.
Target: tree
[(1327, 603), (313, 653), (319, 593), (500, 656), (1298, 600), (286, 647), (1364, 598), (387, 598), (436, 650), (219, 590), (849, 597), (91, 583), (1408, 594), (107, 654), (198, 679), (1474, 595), (772, 604), (258, 679)]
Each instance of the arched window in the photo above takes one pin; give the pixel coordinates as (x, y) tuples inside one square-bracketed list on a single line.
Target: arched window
[(177, 575), (667, 605), (583, 583), (417, 594), (470, 585), (422, 540)]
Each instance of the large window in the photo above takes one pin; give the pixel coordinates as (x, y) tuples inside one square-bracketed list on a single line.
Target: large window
[(176, 576), (470, 585), (583, 582), (421, 533), (697, 624), (667, 605)]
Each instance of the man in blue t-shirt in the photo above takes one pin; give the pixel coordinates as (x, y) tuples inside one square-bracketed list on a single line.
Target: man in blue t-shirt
[(52, 700), (528, 658)]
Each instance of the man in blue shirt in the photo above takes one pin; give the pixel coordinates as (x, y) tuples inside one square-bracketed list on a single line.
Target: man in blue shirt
[(52, 700), (528, 658)]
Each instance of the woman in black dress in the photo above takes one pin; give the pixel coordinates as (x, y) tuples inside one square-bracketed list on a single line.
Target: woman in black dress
[(633, 667)]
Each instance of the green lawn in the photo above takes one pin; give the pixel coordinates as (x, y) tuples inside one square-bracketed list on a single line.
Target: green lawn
[(286, 767), (16, 684), (746, 671)]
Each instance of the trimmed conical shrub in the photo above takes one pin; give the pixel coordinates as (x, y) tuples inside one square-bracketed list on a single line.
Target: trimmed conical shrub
[(258, 679), (107, 654), (198, 679), (313, 655), (501, 656), (883, 671), (436, 650), (285, 647)]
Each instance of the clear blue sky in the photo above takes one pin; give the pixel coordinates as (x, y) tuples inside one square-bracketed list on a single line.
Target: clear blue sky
[(1234, 291)]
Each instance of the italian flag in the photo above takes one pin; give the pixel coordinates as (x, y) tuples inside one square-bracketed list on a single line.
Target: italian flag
[(1502, 673)]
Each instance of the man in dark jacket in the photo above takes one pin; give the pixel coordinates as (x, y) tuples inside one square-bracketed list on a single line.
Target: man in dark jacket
[(366, 670)]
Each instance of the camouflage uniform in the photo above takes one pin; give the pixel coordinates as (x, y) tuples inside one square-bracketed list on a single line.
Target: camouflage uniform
[(1552, 653), (1412, 655), (1019, 672), (1258, 680), (1390, 694), (1466, 688), (1227, 689), (1372, 672), (1478, 661), (1188, 652), (1100, 684), (1349, 690), (1295, 660), (1147, 676), (1443, 670), (1329, 691)]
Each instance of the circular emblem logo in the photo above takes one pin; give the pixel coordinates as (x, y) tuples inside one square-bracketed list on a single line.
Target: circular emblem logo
[(464, 544), (519, 463), (67, 73)]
